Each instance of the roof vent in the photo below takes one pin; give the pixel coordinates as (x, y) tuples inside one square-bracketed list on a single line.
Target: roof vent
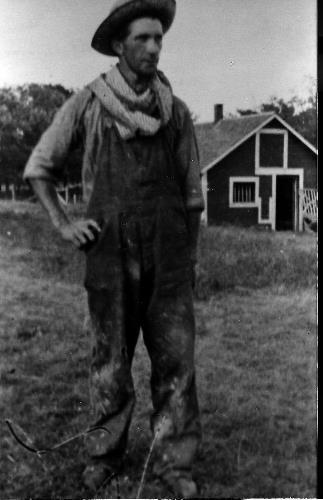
[(218, 112)]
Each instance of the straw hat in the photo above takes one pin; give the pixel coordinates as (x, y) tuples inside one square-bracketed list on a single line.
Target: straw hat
[(125, 11)]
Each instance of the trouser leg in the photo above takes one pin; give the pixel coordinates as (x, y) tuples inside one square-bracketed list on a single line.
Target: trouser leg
[(169, 332), (114, 313)]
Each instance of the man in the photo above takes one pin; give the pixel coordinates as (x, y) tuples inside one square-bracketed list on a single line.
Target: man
[(141, 182)]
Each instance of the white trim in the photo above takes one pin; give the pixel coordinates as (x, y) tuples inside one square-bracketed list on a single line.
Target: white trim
[(274, 193), (296, 134), (245, 138), (272, 131), (293, 172), (300, 211), (271, 220), (259, 170), (253, 204), (204, 192), (237, 144), (296, 206), (271, 205), (286, 150)]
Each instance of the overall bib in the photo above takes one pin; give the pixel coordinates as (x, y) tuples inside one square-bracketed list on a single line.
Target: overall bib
[(138, 276)]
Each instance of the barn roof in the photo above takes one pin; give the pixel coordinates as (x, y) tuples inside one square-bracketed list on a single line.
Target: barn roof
[(216, 140)]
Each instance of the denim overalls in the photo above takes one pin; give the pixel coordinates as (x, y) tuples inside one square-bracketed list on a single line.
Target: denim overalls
[(138, 276)]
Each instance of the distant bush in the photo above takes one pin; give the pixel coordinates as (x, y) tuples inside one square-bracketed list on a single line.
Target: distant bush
[(234, 257)]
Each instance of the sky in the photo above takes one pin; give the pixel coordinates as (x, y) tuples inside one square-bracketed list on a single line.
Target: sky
[(235, 52)]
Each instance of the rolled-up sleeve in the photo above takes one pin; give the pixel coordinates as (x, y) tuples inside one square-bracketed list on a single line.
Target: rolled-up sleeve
[(47, 158), (187, 158)]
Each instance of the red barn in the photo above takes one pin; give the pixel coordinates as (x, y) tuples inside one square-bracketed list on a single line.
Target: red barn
[(257, 171)]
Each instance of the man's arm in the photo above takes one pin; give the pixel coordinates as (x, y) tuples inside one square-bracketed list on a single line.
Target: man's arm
[(46, 165), (187, 159), (76, 232)]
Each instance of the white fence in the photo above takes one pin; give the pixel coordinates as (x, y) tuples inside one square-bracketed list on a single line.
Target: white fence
[(309, 203), (71, 193)]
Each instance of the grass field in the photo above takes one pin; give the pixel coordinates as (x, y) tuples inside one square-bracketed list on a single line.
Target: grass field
[(255, 357)]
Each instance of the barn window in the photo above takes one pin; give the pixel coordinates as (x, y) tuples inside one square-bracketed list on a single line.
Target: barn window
[(243, 191), (271, 149)]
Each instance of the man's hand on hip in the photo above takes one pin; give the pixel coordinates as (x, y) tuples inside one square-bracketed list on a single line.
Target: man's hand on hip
[(81, 232)]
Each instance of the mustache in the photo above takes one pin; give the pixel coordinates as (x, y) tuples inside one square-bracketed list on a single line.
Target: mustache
[(151, 59)]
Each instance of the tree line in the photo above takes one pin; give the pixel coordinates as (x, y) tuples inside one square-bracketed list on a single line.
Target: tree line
[(25, 113), (299, 113), (27, 110)]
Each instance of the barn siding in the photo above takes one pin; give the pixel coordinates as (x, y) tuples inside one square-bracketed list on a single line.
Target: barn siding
[(300, 156), (274, 124), (265, 192), (239, 162)]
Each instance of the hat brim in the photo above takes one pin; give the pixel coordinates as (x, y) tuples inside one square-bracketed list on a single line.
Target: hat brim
[(164, 10)]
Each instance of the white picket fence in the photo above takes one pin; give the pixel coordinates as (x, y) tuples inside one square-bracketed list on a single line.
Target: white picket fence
[(11, 190), (65, 196), (64, 193)]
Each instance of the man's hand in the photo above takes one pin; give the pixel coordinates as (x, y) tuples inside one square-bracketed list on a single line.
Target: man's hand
[(80, 233)]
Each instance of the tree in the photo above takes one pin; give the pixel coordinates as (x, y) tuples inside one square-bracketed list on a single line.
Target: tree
[(246, 112), (25, 112), (301, 114)]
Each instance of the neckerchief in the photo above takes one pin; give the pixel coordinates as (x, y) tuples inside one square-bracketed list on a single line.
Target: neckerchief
[(133, 112)]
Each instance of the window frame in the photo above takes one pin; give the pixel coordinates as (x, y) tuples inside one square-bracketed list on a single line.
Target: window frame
[(247, 204), (271, 169)]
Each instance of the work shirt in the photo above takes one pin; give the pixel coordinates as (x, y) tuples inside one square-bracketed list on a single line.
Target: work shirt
[(83, 119)]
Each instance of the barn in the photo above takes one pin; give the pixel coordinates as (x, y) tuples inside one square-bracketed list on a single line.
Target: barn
[(257, 171)]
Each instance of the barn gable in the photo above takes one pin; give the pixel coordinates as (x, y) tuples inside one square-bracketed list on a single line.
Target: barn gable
[(219, 139), (254, 169)]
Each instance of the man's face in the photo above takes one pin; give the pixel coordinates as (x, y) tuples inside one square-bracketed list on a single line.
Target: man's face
[(140, 50)]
